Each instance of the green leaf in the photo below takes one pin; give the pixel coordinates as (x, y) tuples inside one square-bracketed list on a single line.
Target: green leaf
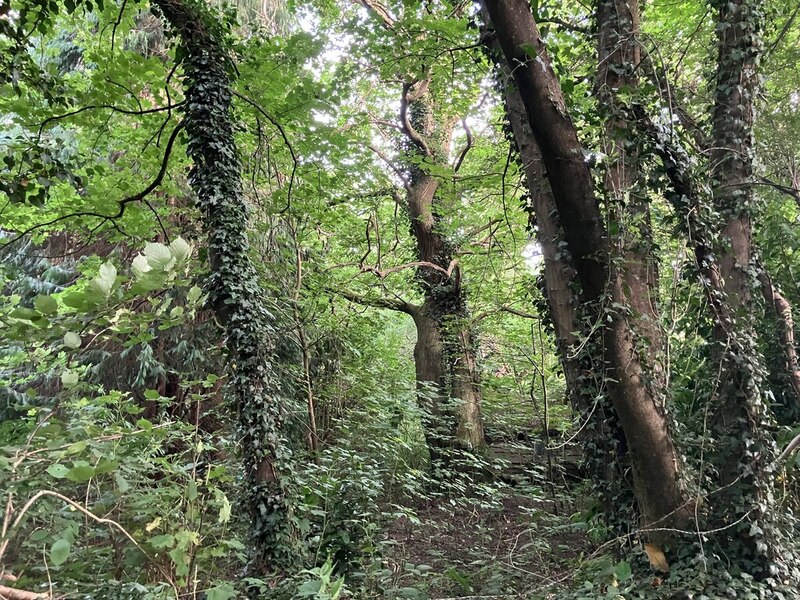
[(69, 378), (144, 424), (59, 552), (194, 294), (622, 571), (122, 483), (181, 250), (76, 299), (162, 541), (224, 591), (72, 340), (140, 266), (81, 472), (108, 274), (58, 471), (159, 257), (191, 492), (309, 588), (224, 509), (47, 305), (105, 466)]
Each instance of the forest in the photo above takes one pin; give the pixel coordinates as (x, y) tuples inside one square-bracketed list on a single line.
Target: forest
[(399, 299)]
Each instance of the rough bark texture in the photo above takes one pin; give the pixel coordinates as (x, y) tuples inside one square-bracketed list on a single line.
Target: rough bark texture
[(656, 476), (718, 222), (234, 291), (444, 354), (634, 267)]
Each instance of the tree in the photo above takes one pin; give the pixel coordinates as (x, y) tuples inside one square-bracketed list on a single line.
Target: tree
[(445, 357), (656, 474), (235, 293)]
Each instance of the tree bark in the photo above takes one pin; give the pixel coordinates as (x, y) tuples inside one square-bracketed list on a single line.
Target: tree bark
[(741, 420), (450, 363), (655, 464), (602, 435)]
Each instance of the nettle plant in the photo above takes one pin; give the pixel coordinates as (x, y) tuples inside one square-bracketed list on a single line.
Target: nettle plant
[(97, 481)]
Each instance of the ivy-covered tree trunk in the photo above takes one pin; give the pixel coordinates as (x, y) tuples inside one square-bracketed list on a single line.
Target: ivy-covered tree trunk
[(445, 353), (655, 464), (633, 264), (743, 451), (234, 291)]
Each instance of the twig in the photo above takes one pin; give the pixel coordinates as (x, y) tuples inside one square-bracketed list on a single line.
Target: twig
[(466, 148), (286, 141), (7, 593), (89, 514)]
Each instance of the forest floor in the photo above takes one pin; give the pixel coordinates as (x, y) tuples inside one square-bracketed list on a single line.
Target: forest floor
[(519, 543)]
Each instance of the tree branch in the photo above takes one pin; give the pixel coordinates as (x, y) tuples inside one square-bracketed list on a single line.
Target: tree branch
[(417, 263), (388, 303), (124, 111), (466, 148), (406, 99), (286, 141)]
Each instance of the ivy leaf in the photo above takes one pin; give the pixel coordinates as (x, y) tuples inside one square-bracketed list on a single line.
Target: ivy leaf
[(59, 552)]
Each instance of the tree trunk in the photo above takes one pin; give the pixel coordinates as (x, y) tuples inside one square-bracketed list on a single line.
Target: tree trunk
[(740, 420), (445, 306), (778, 303), (602, 435), (655, 464), (234, 291), (451, 360)]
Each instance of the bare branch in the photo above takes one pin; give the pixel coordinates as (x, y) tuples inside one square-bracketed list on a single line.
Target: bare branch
[(380, 11), (286, 141), (7, 593), (466, 148), (111, 107), (388, 303), (402, 176), (417, 263)]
